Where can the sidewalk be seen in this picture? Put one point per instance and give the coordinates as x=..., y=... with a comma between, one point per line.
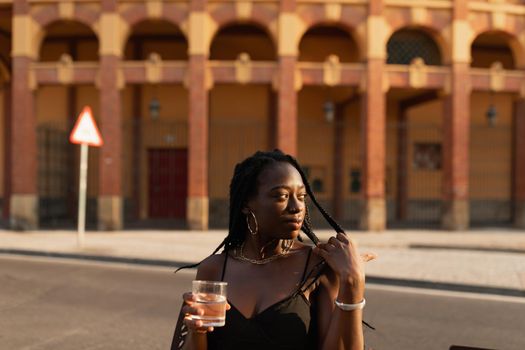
x=489, y=261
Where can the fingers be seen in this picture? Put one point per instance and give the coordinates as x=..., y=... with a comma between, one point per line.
x=190, y=310
x=188, y=297
x=196, y=326
x=342, y=237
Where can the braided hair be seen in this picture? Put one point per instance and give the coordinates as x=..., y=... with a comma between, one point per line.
x=244, y=185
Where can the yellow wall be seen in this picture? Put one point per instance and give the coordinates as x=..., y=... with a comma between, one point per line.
x=352, y=144
x=425, y=126
x=315, y=137
x=238, y=128
x=491, y=148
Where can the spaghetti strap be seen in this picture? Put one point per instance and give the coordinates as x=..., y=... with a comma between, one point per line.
x=224, y=265
x=306, y=265
x=305, y=276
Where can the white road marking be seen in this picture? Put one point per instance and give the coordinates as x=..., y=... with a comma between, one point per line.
x=445, y=293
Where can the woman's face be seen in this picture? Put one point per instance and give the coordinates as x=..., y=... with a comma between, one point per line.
x=279, y=204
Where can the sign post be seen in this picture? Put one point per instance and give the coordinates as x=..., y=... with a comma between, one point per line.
x=85, y=133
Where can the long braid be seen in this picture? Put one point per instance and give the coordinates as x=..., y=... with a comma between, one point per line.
x=327, y=216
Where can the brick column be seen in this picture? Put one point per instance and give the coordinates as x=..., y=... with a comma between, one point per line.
x=519, y=163
x=24, y=172
x=198, y=201
x=373, y=119
x=456, y=129
x=197, y=212
x=110, y=202
x=286, y=124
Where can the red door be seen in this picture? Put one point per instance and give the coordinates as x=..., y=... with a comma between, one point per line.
x=168, y=178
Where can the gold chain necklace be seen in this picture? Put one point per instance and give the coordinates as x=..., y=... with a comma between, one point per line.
x=239, y=255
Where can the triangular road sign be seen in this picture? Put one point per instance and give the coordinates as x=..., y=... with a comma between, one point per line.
x=85, y=130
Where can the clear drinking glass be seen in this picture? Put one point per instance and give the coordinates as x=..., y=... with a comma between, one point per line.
x=210, y=296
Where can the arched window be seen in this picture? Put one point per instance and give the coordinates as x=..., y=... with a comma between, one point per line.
x=407, y=44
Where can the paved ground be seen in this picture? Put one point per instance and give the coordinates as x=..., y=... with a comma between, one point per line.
x=492, y=261
x=84, y=305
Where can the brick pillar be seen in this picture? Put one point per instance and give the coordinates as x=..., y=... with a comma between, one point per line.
x=198, y=202
x=110, y=205
x=110, y=201
x=519, y=163
x=287, y=106
x=7, y=150
x=197, y=208
x=24, y=172
x=373, y=208
x=456, y=128
x=286, y=123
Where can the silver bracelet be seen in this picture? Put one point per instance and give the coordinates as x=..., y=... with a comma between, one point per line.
x=350, y=307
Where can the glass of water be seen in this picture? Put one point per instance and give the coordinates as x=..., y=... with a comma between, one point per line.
x=210, y=296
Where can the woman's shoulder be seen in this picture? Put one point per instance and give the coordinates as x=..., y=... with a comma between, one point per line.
x=211, y=267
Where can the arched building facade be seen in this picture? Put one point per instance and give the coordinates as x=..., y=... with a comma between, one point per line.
x=404, y=113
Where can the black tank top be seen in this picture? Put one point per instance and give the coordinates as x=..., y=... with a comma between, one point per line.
x=289, y=324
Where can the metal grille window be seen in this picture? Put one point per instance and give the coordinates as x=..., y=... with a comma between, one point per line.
x=405, y=45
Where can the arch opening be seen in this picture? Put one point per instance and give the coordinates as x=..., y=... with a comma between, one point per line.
x=491, y=47
x=322, y=41
x=235, y=39
x=409, y=43
x=156, y=36
x=69, y=37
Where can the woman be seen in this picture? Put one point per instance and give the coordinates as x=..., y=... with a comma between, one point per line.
x=282, y=293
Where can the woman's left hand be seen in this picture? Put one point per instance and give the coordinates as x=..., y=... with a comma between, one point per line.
x=340, y=253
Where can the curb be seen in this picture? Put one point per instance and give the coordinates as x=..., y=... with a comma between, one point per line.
x=401, y=282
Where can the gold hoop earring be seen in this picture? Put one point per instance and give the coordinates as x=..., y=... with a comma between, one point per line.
x=252, y=232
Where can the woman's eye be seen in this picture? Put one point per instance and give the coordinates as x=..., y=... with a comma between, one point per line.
x=302, y=196
x=282, y=195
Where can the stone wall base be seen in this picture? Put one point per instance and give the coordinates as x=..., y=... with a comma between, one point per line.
x=519, y=214
x=110, y=213
x=197, y=213
x=24, y=212
x=456, y=215
x=373, y=215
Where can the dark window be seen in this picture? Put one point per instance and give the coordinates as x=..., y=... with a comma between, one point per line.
x=427, y=156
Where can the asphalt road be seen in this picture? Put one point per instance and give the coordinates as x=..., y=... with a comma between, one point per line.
x=59, y=304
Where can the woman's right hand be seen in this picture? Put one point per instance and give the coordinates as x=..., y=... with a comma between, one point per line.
x=189, y=309
x=194, y=326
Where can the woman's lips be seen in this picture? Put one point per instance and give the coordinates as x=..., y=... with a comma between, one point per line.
x=294, y=223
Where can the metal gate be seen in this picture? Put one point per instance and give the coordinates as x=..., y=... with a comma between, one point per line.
x=414, y=174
